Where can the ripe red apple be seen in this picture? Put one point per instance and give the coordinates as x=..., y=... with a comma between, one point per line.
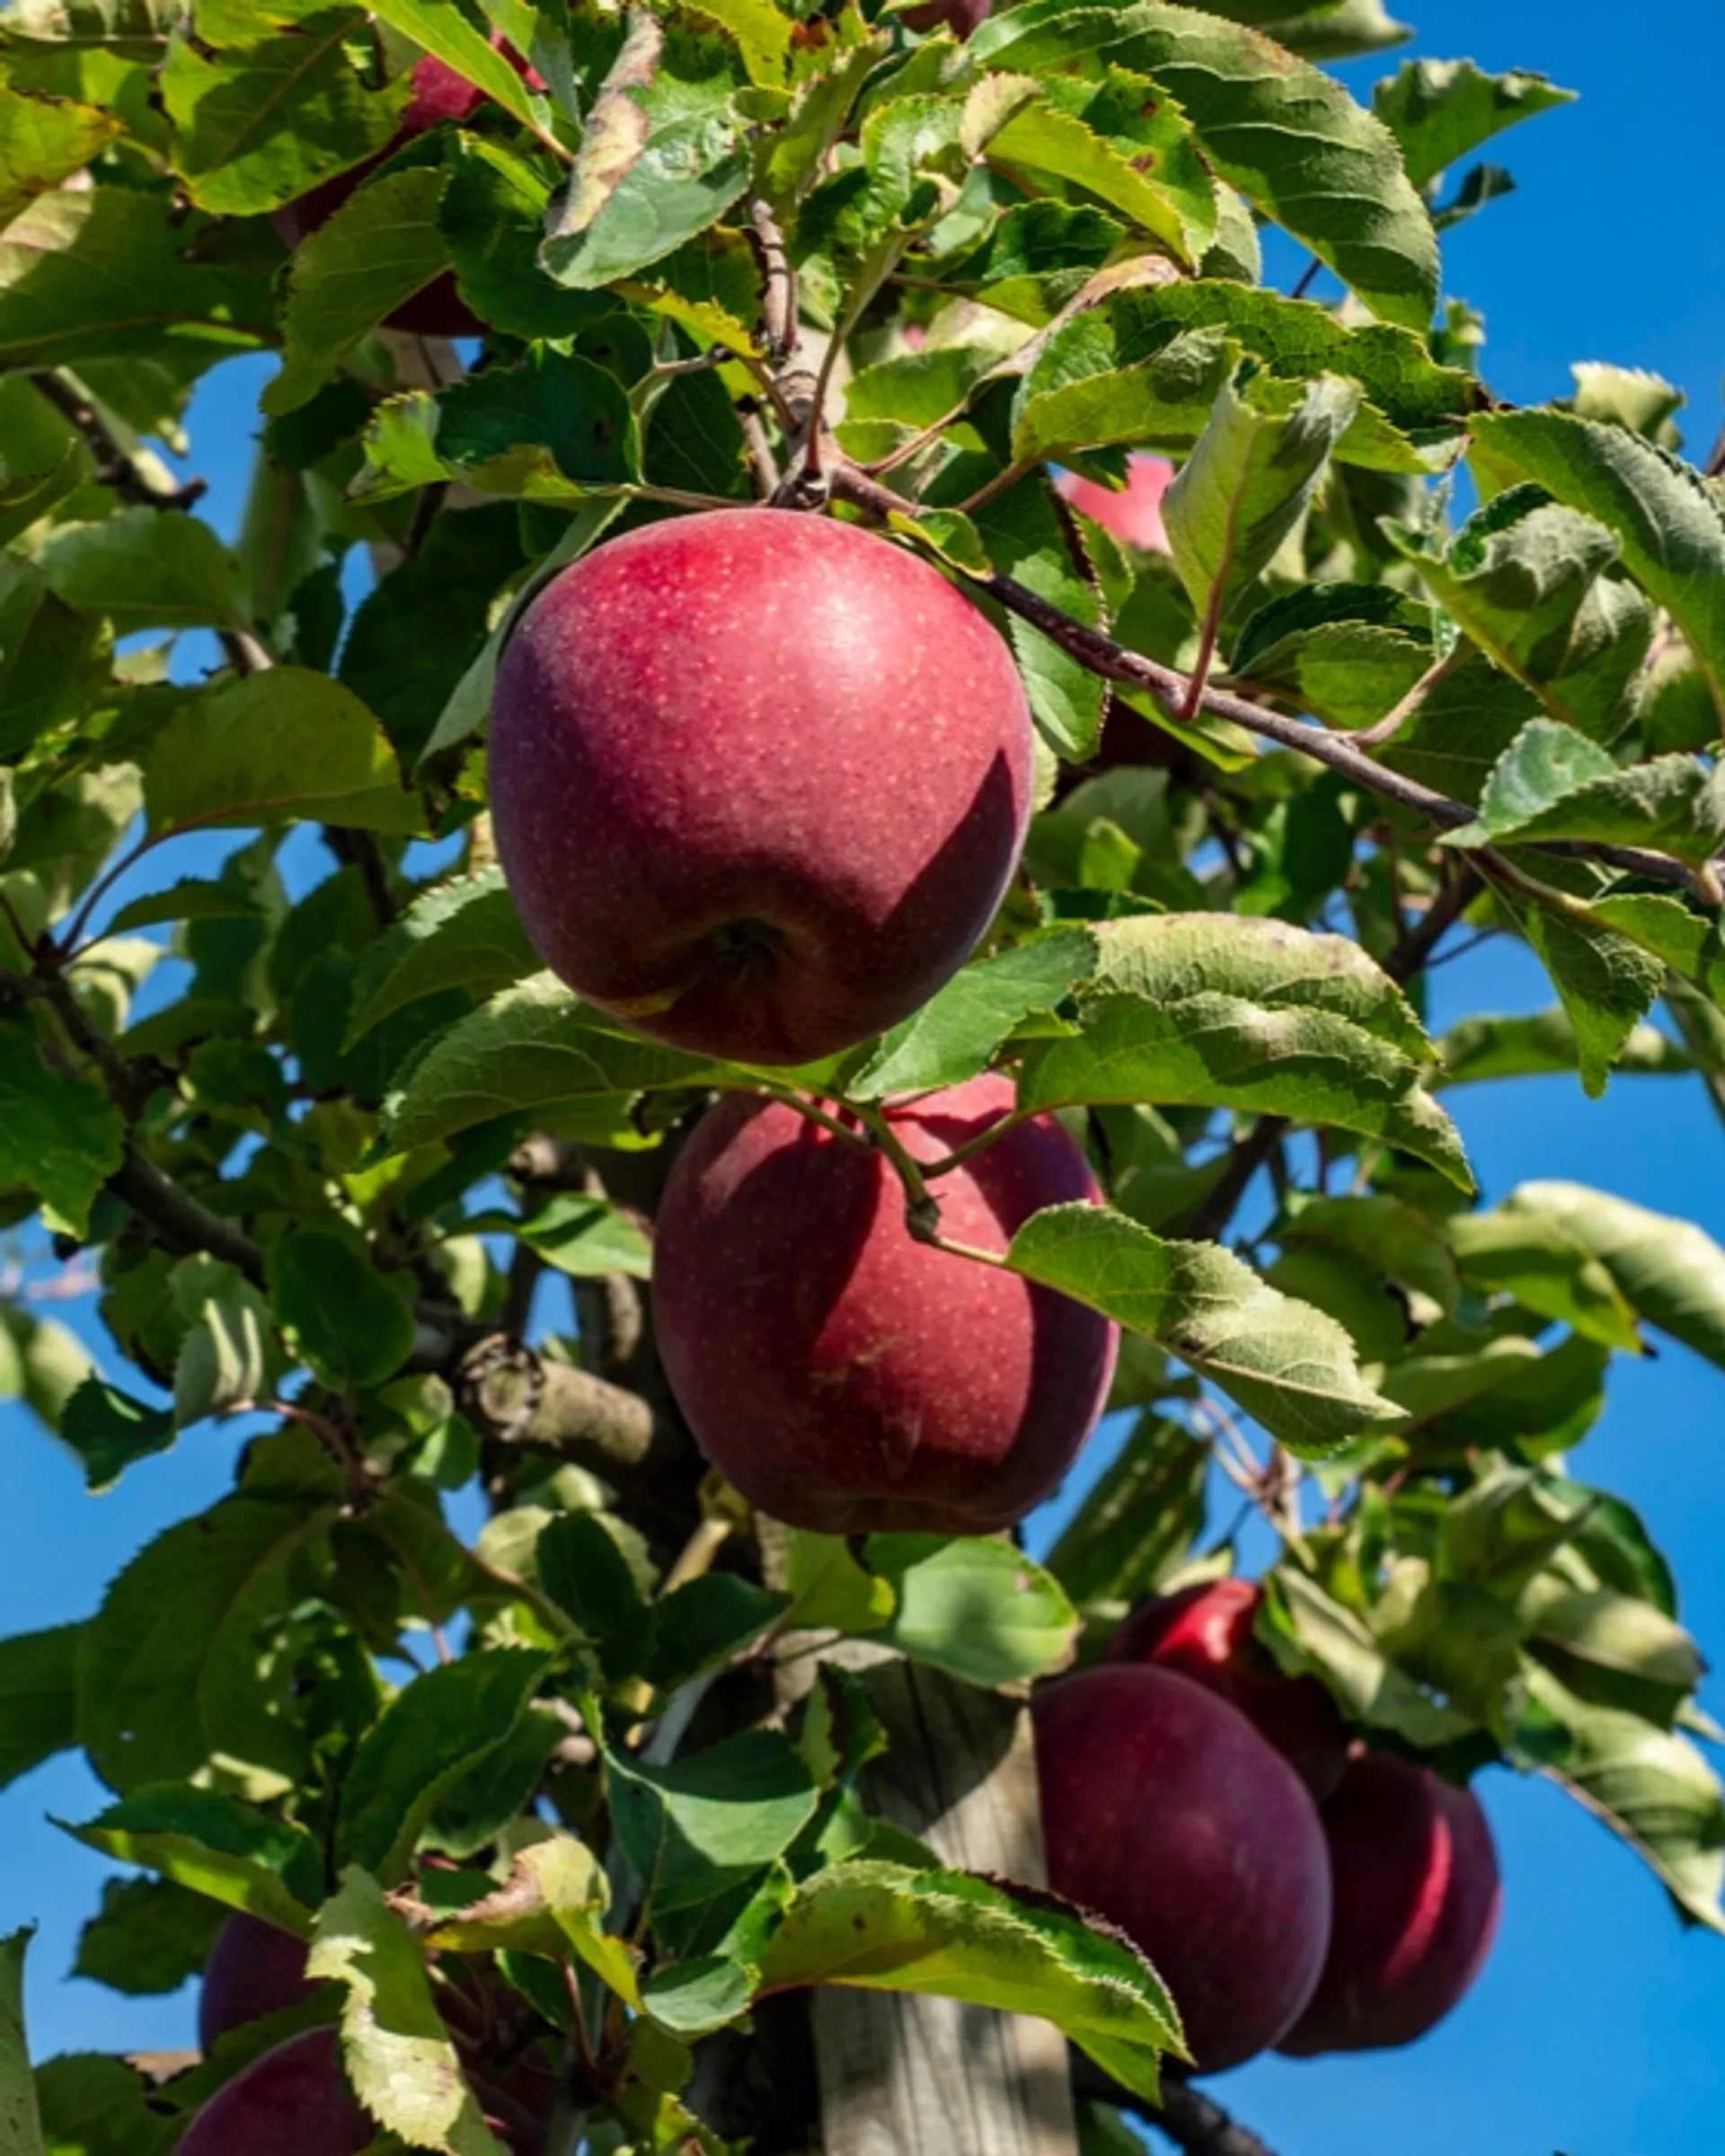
x=1131, y=513
x=253, y=1970
x=1417, y=1900
x=439, y=94
x=759, y=781
x=1206, y=1633
x=293, y=2102
x=845, y=1376
x=961, y=17
x=1164, y=1811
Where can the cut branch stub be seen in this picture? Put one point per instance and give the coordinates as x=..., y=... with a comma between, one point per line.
x=519, y=1397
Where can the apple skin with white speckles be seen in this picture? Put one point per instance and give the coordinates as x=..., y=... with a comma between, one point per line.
x=759, y=779
x=1166, y=1812
x=846, y=1377
x=1418, y=1895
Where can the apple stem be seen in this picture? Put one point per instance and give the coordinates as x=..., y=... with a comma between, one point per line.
x=922, y=1210
x=962, y=1155
x=812, y=1112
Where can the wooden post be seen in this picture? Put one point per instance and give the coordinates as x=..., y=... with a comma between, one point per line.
x=907, y=2076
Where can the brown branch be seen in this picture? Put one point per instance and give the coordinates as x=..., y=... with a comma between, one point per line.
x=1195, y=2122
x=1172, y=689
x=183, y=1223
x=523, y=1399
x=116, y=468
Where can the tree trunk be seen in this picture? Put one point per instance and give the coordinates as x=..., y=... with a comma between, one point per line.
x=907, y=2076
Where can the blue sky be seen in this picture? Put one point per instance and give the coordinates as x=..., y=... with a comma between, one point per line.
x=1598, y=2029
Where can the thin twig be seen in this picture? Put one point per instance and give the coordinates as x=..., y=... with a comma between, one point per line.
x=1387, y=728
x=116, y=468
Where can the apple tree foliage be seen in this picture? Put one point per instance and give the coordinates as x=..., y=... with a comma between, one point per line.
x=1351, y=722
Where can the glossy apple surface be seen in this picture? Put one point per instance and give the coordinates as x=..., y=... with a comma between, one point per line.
x=845, y=1376
x=253, y=1970
x=961, y=17
x=1206, y=1633
x=293, y=2102
x=759, y=781
x=1164, y=1811
x=1418, y=1895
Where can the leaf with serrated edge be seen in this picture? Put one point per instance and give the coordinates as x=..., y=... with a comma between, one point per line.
x=884, y=1928
x=1289, y=1365
x=1670, y=1270
x=1670, y=525
x=953, y=1036
x=1439, y=110
x=270, y=1868
x=20, y=2124
x=396, y=2048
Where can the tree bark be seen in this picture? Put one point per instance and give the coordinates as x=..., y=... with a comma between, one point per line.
x=908, y=2076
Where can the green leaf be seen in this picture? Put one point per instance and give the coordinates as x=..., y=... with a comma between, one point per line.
x=1534, y=1258
x=955, y=1035
x=21, y=2122
x=1026, y=538
x=431, y=1734
x=1250, y=480
x=974, y=1606
x=344, y=1318
x=1120, y=143
x=111, y=274
x=150, y=1936
x=285, y=746
x=211, y=1845
x=828, y=1590
x=446, y=30
x=1322, y=30
x=1348, y=653
x=261, y=120
x=107, y=1429
x=1205, y=1048
x=1291, y=140
x=709, y=1822
x=1608, y=985
x=38, y=1698
x=93, y=2104
x=1670, y=1270
x=173, y=1670
x=1137, y=1523
x=59, y=1137
x=1439, y=110
x=660, y=159
x=43, y=141
x=228, y=1356
x=586, y=1237
x=1528, y=581
x=1287, y=1364
x=706, y=1620
x=882, y=1928
x=1553, y=783
x=146, y=569
x=379, y=248
x=464, y=933
x=1479, y=1048
x=1309, y=1632
x=1614, y=1650
x=527, y=1048
x=395, y=2047
x=582, y=1567
x=1652, y=1788
x=1670, y=525
x=492, y=216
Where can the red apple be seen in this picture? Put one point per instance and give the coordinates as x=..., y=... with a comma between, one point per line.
x=1131, y=513
x=961, y=17
x=253, y=1970
x=1417, y=1900
x=845, y=1376
x=439, y=94
x=1206, y=1633
x=759, y=781
x=293, y=2102
x=1166, y=1812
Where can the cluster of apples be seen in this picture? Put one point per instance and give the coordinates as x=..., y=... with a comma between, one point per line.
x=1292, y=1889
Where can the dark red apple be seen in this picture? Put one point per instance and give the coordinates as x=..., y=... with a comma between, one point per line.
x=439, y=94
x=1164, y=1811
x=961, y=17
x=845, y=1376
x=1206, y=1633
x=253, y=1970
x=293, y=2102
x=1131, y=513
x=1417, y=1900
x=759, y=781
